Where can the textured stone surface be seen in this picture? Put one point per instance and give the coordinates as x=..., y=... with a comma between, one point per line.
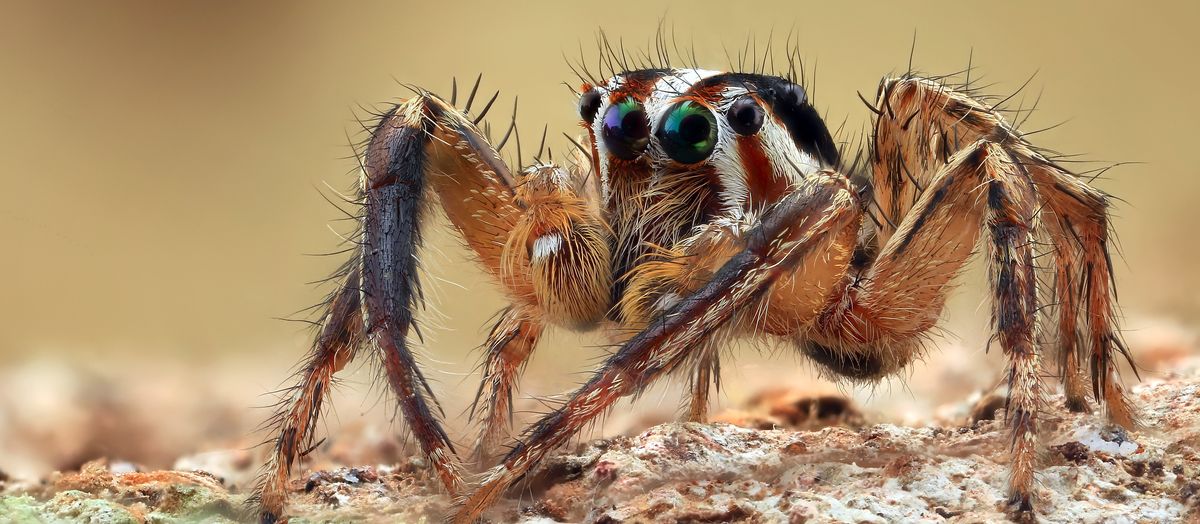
x=799, y=459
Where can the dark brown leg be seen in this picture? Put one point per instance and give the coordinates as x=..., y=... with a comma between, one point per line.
x=340, y=338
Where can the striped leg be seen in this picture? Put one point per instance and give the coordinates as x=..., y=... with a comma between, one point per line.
x=423, y=145
x=878, y=324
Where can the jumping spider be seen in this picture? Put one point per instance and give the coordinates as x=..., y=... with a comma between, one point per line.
x=704, y=205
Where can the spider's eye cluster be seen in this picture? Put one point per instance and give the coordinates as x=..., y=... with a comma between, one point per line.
x=688, y=133
x=625, y=129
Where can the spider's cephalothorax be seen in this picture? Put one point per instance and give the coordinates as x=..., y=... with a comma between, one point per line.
x=706, y=205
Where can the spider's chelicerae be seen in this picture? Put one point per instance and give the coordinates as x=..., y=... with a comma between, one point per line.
x=704, y=205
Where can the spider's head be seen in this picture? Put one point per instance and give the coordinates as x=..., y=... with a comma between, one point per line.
x=748, y=136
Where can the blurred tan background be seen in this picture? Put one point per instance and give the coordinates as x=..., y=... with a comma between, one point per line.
x=161, y=164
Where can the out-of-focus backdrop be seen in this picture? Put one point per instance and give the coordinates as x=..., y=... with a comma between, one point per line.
x=161, y=165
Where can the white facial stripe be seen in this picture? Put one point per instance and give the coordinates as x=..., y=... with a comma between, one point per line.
x=598, y=133
x=777, y=143
x=678, y=83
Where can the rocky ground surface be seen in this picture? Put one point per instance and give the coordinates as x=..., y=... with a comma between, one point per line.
x=783, y=457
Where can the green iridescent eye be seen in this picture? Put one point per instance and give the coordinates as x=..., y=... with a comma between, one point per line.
x=688, y=133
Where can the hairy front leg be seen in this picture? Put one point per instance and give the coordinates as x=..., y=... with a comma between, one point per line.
x=423, y=145
x=787, y=234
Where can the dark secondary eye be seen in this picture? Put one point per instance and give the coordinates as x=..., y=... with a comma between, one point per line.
x=688, y=133
x=745, y=116
x=589, y=103
x=626, y=130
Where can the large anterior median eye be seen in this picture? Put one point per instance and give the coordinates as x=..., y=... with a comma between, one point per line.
x=688, y=133
x=626, y=130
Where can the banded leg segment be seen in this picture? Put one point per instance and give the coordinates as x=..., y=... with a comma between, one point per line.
x=922, y=123
x=787, y=234
x=1080, y=235
x=340, y=338
x=881, y=318
x=1011, y=223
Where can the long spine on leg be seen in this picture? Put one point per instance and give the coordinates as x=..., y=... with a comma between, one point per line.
x=339, y=339
x=395, y=189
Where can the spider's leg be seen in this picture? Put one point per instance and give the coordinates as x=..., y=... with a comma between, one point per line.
x=787, y=233
x=876, y=326
x=1078, y=227
x=927, y=122
x=1067, y=290
x=421, y=143
x=706, y=373
x=558, y=245
x=658, y=283
x=540, y=241
x=340, y=337
x=508, y=347
x=945, y=165
x=1011, y=221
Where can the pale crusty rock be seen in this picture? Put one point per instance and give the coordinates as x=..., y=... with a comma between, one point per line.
x=885, y=473
x=852, y=472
